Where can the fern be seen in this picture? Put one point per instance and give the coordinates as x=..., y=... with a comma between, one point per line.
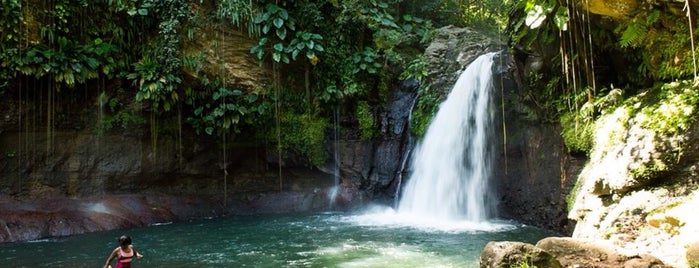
x=633, y=35
x=638, y=29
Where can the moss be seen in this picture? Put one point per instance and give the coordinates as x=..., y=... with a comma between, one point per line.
x=365, y=118
x=426, y=107
x=578, y=133
x=304, y=134
x=570, y=199
x=649, y=170
x=581, y=125
x=674, y=111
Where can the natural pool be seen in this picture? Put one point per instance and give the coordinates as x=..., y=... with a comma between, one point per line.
x=375, y=239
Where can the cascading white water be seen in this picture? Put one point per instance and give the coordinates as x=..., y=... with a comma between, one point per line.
x=451, y=165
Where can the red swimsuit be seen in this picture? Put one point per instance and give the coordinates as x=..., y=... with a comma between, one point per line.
x=125, y=259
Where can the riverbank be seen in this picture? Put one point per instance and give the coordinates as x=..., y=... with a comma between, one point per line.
x=25, y=219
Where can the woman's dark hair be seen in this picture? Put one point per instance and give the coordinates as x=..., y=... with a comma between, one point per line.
x=124, y=240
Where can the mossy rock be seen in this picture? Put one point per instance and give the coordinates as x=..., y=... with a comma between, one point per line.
x=516, y=254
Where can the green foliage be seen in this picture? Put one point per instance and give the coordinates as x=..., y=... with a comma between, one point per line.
x=381, y=37
x=637, y=28
x=119, y=115
x=649, y=170
x=658, y=42
x=303, y=134
x=227, y=111
x=675, y=110
x=366, y=120
x=240, y=13
x=337, y=77
x=541, y=21
x=351, y=52
x=579, y=125
x=67, y=63
x=274, y=18
x=12, y=18
x=669, y=111
x=425, y=108
x=159, y=71
x=480, y=14
x=416, y=69
x=578, y=130
x=366, y=61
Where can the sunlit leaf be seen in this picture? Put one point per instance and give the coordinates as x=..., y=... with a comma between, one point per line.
x=535, y=17
x=561, y=18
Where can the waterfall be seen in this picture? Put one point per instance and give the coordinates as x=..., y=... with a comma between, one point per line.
x=452, y=164
x=332, y=193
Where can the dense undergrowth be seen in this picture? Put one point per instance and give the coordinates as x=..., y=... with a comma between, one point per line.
x=329, y=57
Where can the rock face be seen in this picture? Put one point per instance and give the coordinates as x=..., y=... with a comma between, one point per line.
x=533, y=172
x=374, y=167
x=639, y=188
x=379, y=168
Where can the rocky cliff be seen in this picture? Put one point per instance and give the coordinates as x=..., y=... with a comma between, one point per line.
x=639, y=188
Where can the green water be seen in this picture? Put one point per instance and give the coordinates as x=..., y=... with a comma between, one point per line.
x=317, y=240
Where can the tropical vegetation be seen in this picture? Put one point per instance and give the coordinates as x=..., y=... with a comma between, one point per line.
x=326, y=57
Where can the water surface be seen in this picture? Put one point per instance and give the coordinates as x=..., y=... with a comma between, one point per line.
x=300, y=240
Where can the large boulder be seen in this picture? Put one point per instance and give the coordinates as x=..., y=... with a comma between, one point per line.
x=638, y=190
x=554, y=252
x=515, y=254
x=589, y=253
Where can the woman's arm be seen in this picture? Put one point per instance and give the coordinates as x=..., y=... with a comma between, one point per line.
x=111, y=256
x=135, y=253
